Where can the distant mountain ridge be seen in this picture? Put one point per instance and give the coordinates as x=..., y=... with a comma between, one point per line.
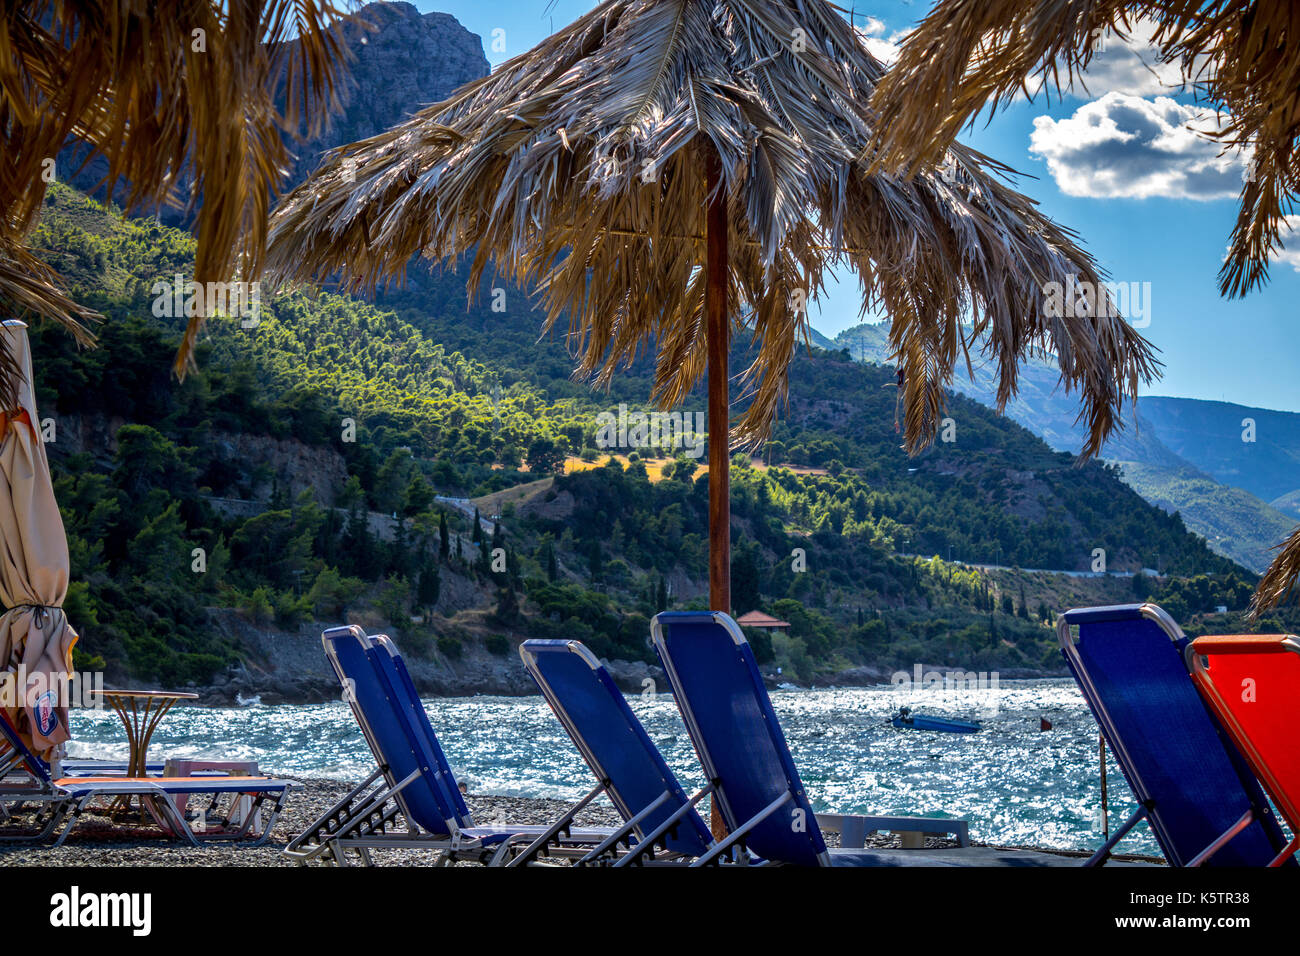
x=1187, y=455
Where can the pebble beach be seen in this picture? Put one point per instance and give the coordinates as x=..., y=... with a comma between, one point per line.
x=100, y=842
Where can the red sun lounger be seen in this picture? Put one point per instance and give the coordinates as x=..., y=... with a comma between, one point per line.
x=1252, y=683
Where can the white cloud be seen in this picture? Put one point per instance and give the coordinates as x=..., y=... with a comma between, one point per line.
x=1129, y=66
x=883, y=48
x=1290, y=234
x=1123, y=146
x=873, y=27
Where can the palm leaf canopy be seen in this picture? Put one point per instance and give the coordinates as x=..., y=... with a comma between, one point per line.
x=1241, y=55
x=577, y=169
x=1279, y=580
x=156, y=87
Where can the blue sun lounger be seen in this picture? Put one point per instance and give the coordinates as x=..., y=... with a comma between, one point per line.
x=412, y=801
x=751, y=774
x=1192, y=786
x=12, y=761
x=627, y=765
x=65, y=800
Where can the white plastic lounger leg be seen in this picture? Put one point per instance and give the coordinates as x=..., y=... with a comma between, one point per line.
x=1098, y=858
x=164, y=805
x=1246, y=820
x=71, y=814
x=740, y=831
x=300, y=847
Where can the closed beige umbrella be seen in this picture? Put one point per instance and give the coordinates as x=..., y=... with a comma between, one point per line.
x=36, y=639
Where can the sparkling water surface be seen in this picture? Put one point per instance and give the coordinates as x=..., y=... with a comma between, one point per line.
x=1016, y=784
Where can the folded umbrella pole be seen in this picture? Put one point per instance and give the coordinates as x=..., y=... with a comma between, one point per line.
x=36, y=639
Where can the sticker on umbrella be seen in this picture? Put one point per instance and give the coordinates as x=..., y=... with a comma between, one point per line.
x=47, y=718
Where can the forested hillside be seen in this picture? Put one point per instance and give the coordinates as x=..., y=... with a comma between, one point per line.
x=311, y=460
x=1228, y=470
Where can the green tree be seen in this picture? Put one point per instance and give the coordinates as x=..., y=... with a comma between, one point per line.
x=745, y=578
x=429, y=587
x=394, y=596
x=545, y=455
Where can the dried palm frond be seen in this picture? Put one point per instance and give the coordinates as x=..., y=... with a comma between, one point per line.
x=29, y=285
x=154, y=87
x=577, y=169
x=1241, y=55
x=1279, y=580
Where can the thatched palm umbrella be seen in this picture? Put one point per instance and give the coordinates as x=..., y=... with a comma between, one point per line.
x=1241, y=55
x=155, y=87
x=658, y=161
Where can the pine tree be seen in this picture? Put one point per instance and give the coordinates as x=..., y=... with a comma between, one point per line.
x=444, y=538
x=429, y=587
x=507, y=609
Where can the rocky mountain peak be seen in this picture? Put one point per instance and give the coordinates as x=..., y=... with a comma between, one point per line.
x=407, y=61
x=404, y=62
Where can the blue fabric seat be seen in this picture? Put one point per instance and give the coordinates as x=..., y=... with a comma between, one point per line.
x=614, y=744
x=412, y=800
x=729, y=716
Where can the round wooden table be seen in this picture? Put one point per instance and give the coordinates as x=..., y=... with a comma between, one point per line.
x=140, y=712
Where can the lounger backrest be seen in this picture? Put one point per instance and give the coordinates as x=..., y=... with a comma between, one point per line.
x=1129, y=661
x=375, y=705
x=29, y=761
x=390, y=663
x=1252, y=682
x=731, y=722
x=611, y=739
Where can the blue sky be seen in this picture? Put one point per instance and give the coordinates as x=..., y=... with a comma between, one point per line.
x=1151, y=201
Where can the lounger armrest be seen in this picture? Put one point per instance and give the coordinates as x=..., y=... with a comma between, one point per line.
x=854, y=828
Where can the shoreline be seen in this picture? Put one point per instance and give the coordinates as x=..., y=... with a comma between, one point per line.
x=629, y=677
x=98, y=842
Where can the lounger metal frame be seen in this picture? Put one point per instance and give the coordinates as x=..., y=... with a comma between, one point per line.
x=1146, y=801
x=364, y=819
x=732, y=848
x=63, y=803
x=619, y=848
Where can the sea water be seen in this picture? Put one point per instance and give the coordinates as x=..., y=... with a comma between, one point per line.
x=1015, y=783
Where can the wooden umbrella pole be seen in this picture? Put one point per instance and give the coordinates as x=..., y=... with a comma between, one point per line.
x=719, y=340
x=717, y=330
